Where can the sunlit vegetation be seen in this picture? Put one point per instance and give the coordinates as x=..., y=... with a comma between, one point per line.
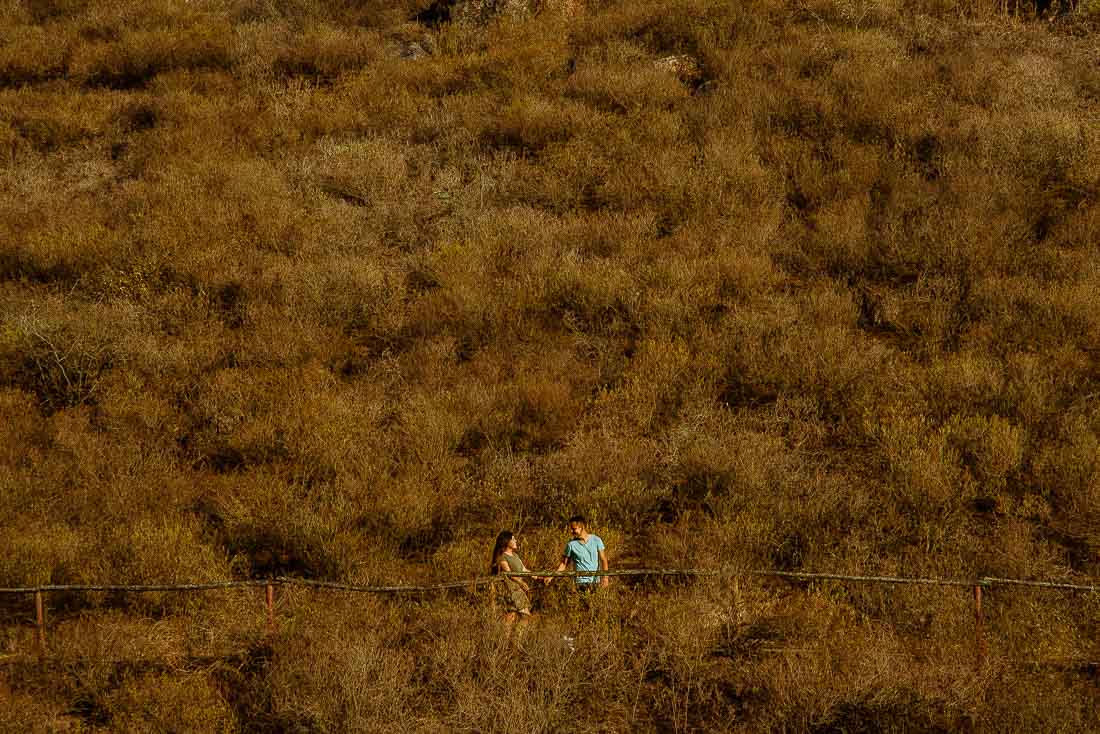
x=339, y=289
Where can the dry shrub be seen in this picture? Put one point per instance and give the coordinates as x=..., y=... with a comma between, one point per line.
x=36, y=554
x=531, y=124
x=734, y=182
x=654, y=389
x=296, y=13
x=51, y=353
x=24, y=435
x=270, y=526
x=355, y=673
x=965, y=378
x=1067, y=479
x=234, y=423
x=29, y=713
x=32, y=54
x=598, y=297
x=1021, y=705
x=532, y=415
x=661, y=183
x=863, y=680
x=684, y=634
x=139, y=55
x=131, y=675
x=776, y=351
x=57, y=253
x=1034, y=384
x=342, y=670
x=365, y=171
x=624, y=81
x=326, y=53
x=991, y=448
x=169, y=550
x=153, y=703
x=924, y=471
x=44, y=121
x=382, y=184
x=858, y=14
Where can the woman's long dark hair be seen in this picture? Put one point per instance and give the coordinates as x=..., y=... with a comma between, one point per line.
x=503, y=540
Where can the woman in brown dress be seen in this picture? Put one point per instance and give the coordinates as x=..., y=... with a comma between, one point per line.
x=517, y=597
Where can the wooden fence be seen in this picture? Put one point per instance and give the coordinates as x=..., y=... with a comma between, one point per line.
x=978, y=585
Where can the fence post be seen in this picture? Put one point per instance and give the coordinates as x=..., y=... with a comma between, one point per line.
x=979, y=626
x=269, y=593
x=40, y=621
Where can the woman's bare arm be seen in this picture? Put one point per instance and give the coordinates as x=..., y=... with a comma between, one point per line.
x=502, y=565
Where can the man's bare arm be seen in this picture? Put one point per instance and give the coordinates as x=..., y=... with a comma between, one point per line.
x=604, y=580
x=561, y=567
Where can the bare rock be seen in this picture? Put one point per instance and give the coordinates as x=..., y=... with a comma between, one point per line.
x=686, y=68
x=483, y=11
x=410, y=46
x=412, y=50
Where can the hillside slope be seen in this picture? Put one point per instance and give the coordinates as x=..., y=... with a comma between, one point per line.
x=340, y=289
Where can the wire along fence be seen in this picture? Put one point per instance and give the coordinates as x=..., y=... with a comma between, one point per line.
x=978, y=585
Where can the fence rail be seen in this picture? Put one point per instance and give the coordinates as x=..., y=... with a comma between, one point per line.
x=982, y=581
x=977, y=584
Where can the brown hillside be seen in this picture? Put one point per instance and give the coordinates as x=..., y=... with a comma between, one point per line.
x=337, y=289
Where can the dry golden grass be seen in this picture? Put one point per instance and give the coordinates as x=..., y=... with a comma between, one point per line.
x=309, y=287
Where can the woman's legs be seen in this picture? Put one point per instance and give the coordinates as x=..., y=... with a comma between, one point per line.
x=523, y=619
x=509, y=621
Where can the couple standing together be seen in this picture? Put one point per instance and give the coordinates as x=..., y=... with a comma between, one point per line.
x=584, y=552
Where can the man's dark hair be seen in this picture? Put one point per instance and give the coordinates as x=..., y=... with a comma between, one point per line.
x=579, y=519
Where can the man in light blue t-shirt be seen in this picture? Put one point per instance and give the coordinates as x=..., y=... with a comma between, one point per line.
x=585, y=552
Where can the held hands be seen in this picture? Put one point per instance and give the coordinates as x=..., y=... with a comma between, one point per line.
x=604, y=580
x=561, y=567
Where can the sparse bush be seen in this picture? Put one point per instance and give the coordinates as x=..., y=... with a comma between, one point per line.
x=325, y=53
x=153, y=703
x=32, y=54
x=138, y=56
x=57, y=362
